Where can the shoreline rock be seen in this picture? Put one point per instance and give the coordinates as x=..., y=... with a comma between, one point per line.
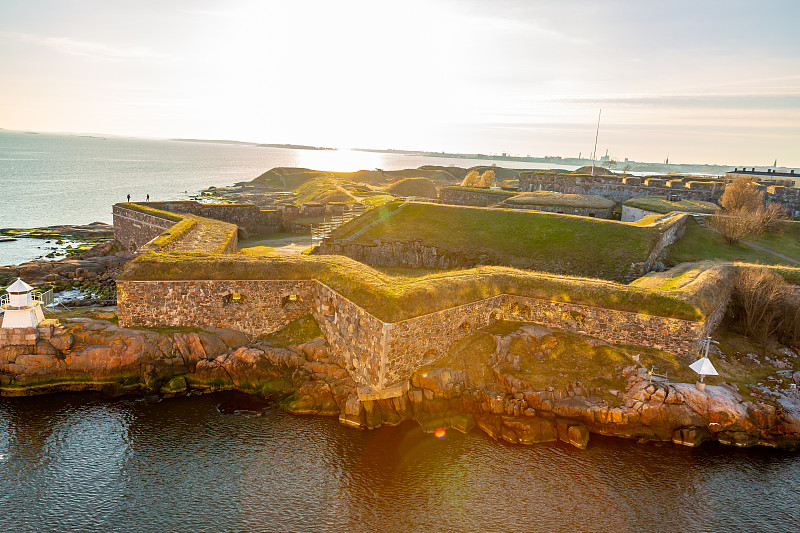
x=94, y=355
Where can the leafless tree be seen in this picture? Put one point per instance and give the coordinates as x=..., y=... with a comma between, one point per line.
x=471, y=179
x=744, y=213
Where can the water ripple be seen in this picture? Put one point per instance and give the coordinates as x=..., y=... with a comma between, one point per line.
x=83, y=463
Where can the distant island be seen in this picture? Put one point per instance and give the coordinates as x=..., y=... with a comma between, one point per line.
x=261, y=145
x=605, y=161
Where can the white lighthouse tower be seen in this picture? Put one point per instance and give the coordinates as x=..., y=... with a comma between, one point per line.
x=22, y=310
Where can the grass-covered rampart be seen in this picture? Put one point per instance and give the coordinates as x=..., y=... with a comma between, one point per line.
x=549, y=242
x=660, y=204
x=554, y=199
x=191, y=233
x=394, y=298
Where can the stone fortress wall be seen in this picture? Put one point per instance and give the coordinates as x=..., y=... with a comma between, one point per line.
x=621, y=189
x=378, y=355
x=133, y=229
x=456, y=195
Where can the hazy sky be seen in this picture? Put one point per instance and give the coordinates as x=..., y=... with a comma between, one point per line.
x=700, y=81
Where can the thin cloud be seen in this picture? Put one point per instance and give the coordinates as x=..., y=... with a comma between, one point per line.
x=775, y=100
x=88, y=49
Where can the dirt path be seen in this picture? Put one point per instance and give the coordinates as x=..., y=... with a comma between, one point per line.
x=773, y=252
x=751, y=244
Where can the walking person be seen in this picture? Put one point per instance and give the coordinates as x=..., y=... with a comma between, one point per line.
x=148, y=198
x=129, y=198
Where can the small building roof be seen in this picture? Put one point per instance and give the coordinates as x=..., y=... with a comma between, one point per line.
x=19, y=287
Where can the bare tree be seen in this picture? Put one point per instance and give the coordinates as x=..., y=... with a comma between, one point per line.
x=742, y=193
x=471, y=179
x=744, y=212
x=487, y=179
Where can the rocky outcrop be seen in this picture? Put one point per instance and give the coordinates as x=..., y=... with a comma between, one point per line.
x=86, y=354
x=95, y=270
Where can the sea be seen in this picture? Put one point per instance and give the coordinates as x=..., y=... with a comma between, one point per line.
x=52, y=179
x=227, y=462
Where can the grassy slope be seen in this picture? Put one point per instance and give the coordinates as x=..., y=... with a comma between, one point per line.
x=322, y=191
x=414, y=187
x=701, y=244
x=660, y=204
x=784, y=239
x=579, y=246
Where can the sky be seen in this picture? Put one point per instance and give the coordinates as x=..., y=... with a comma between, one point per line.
x=696, y=81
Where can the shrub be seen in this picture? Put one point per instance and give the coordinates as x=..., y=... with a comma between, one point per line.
x=765, y=306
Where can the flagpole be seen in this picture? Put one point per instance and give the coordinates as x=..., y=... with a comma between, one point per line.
x=596, y=134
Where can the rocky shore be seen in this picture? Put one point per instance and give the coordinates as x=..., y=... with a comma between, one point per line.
x=94, y=272
x=94, y=354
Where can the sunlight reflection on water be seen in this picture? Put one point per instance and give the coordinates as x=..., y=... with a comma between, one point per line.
x=82, y=463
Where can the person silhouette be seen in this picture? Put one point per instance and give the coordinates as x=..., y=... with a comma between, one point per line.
x=129, y=197
x=148, y=198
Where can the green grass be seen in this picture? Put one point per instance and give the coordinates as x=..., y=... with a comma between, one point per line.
x=660, y=204
x=784, y=239
x=701, y=244
x=564, y=244
x=296, y=332
x=367, y=218
x=394, y=298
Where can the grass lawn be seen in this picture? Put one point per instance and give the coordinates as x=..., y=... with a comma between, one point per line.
x=785, y=239
x=565, y=244
x=701, y=244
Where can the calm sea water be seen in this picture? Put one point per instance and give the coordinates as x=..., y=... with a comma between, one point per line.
x=50, y=179
x=82, y=463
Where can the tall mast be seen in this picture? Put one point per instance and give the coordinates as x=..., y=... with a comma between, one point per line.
x=596, y=134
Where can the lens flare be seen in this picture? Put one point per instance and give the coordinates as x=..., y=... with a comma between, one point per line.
x=440, y=433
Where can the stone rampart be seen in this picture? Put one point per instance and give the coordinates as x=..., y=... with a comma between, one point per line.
x=134, y=229
x=613, y=188
x=473, y=197
x=596, y=212
x=409, y=254
x=353, y=333
x=255, y=307
x=673, y=230
x=378, y=355
x=248, y=216
x=381, y=355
